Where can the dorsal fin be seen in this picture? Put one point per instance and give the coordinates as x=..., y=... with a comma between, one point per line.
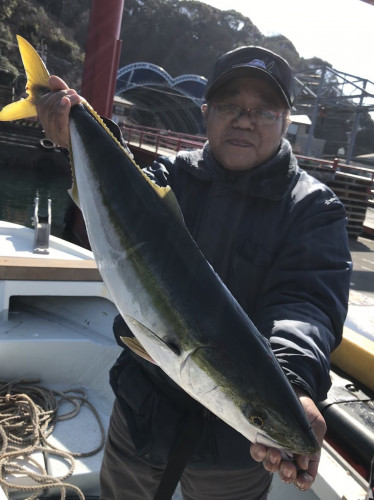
x=165, y=193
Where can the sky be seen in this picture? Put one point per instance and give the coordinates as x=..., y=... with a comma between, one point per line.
x=340, y=32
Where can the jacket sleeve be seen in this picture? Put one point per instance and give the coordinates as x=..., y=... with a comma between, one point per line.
x=304, y=300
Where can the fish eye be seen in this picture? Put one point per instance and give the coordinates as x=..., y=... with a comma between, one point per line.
x=257, y=421
x=256, y=418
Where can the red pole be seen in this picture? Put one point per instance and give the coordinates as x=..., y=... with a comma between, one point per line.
x=103, y=49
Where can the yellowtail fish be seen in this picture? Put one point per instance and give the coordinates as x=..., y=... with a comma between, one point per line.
x=182, y=315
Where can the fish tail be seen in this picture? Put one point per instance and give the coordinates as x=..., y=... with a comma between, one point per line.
x=37, y=84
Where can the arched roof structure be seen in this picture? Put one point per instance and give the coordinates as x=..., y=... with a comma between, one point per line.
x=174, y=102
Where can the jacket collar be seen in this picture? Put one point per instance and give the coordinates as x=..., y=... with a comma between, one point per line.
x=272, y=180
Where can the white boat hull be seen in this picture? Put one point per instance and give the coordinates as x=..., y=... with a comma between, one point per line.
x=60, y=332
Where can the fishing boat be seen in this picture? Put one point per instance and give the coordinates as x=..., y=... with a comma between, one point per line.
x=56, y=341
x=56, y=335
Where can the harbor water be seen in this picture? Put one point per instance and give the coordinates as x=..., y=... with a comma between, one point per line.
x=19, y=187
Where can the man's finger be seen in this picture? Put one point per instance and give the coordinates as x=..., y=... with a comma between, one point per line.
x=304, y=481
x=287, y=472
x=258, y=452
x=56, y=83
x=308, y=468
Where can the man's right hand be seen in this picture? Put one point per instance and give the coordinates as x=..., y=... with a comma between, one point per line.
x=54, y=108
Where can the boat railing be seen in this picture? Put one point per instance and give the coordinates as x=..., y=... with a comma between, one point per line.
x=160, y=141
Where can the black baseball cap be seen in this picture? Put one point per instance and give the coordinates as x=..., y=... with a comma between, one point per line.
x=252, y=61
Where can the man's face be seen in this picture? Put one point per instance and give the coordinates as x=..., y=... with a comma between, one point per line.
x=240, y=143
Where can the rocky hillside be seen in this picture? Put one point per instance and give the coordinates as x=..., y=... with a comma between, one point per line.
x=169, y=33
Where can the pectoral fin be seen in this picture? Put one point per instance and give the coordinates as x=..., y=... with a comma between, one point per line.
x=141, y=331
x=137, y=348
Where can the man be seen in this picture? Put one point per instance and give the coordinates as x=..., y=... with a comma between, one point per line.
x=277, y=237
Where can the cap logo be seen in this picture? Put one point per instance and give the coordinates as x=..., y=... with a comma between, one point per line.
x=258, y=63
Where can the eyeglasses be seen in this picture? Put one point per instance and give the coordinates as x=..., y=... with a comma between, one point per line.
x=259, y=116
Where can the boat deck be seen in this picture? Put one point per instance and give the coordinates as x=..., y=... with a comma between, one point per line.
x=68, y=342
x=56, y=321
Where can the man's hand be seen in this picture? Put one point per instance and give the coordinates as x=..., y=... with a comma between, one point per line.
x=54, y=108
x=304, y=472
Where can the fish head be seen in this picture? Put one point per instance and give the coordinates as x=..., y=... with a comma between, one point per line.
x=286, y=429
x=240, y=396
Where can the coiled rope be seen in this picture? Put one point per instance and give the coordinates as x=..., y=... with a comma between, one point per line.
x=28, y=416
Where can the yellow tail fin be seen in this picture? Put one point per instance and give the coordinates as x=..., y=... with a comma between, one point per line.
x=37, y=84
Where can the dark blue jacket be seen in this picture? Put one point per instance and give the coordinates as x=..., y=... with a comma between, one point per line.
x=278, y=239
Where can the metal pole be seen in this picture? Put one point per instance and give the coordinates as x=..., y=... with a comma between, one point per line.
x=356, y=123
x=315, y=113
x=103, y=49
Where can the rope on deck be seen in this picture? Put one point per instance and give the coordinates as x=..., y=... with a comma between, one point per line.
x=28, y=416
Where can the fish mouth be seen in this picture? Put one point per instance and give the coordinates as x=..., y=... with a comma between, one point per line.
x=266, y=440
x=287, y=451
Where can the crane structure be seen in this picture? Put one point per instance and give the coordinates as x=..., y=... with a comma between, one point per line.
x=327, y=95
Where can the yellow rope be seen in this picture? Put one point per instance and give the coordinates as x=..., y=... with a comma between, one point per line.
x=28, y=415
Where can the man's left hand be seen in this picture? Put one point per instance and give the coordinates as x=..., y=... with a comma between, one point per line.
x=303, y=470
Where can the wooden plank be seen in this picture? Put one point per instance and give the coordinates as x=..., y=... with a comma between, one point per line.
x=46, y=269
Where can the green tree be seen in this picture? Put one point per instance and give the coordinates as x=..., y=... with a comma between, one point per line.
x=7, y=8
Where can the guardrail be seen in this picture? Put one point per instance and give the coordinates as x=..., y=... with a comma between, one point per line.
x=352, y=184
x=160, y=141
